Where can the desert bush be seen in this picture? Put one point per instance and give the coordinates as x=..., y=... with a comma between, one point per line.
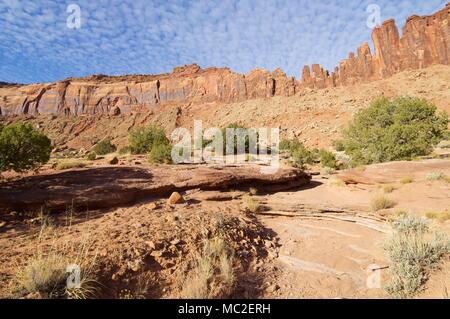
x=412, y=251
x=69, y=164
x=444, y=144
x=125, y=150
x=23, y=148
x=327, y=159
x=406, y=180
x=381, y=202
x=104, y=147
x=251, y=204
x=142, y=139
x=91, y=156
x=338, y=145
x=400, y=129
x=286, y=144
x=389, y=188
x=435, y=176
x=300, y=155
x=160, y=154
x=213, y=275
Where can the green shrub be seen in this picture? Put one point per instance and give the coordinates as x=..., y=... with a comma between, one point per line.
x=104, y=147
x=23, y=148
x=394, y=130
x=300, y=155
x=285, y=144
x=327, y=159
x=91, y=156
x=161, y=154
x=339, y=145
x=142, y=139
x=125, y=150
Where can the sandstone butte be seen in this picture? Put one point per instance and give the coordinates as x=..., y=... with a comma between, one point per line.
x=425, y=41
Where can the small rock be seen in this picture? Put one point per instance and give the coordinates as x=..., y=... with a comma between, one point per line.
x=150, y=244
x=2, y=224
x=114, y=161
x=268, y=244
x=175, y=198
x=272, y=288
x=156, y=253
x=175, y=242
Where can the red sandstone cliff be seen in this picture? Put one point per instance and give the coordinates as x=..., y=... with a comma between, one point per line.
x=425, y=41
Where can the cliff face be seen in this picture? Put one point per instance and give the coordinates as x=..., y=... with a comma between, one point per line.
x=116, y=95
x=425, y=41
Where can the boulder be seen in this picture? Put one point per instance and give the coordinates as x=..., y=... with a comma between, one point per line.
x=113, y=161
x=175, y=198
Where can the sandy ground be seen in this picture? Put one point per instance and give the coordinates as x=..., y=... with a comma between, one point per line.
x=331, y=255
x=314, y=241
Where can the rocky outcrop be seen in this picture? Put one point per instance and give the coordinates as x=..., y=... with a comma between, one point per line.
x=424, y=41
x=105, y=187
x=128, y=94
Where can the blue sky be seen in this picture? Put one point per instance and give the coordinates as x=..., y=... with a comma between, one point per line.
x=144, y=36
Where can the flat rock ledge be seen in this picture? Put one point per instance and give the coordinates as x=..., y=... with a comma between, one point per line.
x=108, y=187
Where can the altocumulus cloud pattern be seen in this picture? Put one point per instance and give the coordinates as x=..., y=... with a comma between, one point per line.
x=142, y=36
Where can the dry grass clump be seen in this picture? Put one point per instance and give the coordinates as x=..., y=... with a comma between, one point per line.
x=213, y=275
x=140, y=290
x=336, y=182
x=49, y=272
x=251, y=204
x=381, y=202
x=440, y=216
x=69, y=164
x=412, y=251
x=406, y=180
x=389, y=188
x=253, y=190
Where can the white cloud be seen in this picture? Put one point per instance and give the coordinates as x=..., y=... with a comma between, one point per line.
x=119, y=37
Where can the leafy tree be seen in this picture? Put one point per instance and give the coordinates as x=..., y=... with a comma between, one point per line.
x=394, y=130
x=104, y=147
x=142, y=139
x=23, y=148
